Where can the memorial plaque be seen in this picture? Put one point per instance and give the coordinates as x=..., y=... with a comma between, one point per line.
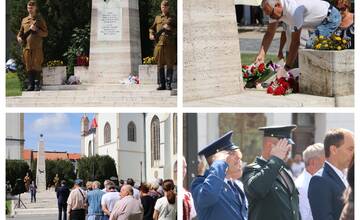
x=109, y=22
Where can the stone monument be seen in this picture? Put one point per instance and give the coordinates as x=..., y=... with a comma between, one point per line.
x=115, y=45
x=40, y=168
x=212, y=63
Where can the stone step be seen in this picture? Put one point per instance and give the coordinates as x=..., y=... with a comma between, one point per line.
x=37, y=211
x=102, y=87
x=255, y=98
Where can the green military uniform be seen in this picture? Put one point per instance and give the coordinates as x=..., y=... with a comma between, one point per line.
x=33, y=56
x=165, y=48
x=270, y=190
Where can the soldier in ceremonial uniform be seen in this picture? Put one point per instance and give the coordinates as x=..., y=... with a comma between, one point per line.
x=163, y=32
x=32, y=31
x=268, y=186
x=217, y=193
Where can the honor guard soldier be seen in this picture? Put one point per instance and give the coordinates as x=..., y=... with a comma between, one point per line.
x=268, y=186
x=217, y=193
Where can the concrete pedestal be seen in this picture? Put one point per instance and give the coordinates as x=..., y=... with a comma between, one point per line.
x=54, y=75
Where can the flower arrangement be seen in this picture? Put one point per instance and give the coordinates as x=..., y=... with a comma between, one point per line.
x=254, y=75
x=149, y=60
x=334, y=42
x=285, y=84
x=82, y=60
x=54, y=63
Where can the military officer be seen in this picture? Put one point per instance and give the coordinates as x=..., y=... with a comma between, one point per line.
x=163, y=32
x=268, y=186
x=32, y=31
x=217, y=193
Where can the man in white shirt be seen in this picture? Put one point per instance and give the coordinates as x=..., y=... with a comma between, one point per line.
x=109, y=199
x=314, y=157
x=298, y=166
x=296, y=14
x=326, y=188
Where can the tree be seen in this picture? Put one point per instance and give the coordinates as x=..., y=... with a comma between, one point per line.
x=96, y=168
x=16, y=169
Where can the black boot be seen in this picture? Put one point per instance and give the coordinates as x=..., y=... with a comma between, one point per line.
x=37, y=81
x=169, y=78
x=161, y=79
x=31, y=77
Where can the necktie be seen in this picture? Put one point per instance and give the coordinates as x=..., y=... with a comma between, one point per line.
x=238, y=192
x=287, y=180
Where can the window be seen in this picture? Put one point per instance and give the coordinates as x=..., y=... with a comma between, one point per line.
x=131, y=132
x=107, y=133
x=155, y=141
x=175, y=134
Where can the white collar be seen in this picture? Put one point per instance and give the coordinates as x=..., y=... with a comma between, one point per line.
x=340, y=173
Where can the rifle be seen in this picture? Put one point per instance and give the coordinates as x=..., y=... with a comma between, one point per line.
x=25, y=35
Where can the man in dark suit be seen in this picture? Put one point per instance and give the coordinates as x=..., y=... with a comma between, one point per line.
x=327, y=186
x=268, y=186
x=217, y=193
x=62, y=194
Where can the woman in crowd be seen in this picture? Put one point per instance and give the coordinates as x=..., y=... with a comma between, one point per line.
x=346, y=29
x=165, y=207
x=147, y=201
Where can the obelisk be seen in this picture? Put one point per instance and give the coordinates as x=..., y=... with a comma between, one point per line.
x=115, y=45
x=212, y=62
x=40, y=168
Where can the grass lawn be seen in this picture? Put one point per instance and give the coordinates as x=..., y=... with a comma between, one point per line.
x=248, y=58
x=13, y=87
x=8, y=206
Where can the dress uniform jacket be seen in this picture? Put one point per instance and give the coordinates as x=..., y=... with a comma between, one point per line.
x=271, y=191
x=325, y=194
x=214, y=198
x=33, y=56
x=165, y=48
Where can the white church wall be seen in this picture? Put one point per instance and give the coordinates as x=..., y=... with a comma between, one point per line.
x=102, y=119
x=138, y=119
x=129, y=166
x=89, y=150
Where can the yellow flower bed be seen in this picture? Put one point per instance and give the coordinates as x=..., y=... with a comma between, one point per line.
x=54, y=63
x=149, y=60
x=334, y=42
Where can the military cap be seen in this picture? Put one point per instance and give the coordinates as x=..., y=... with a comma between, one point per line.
x=223, y=143
x=78, y=182
x=279, y=132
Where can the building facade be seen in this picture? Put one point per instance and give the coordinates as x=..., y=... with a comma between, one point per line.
x=14, y=136
x=141, y=144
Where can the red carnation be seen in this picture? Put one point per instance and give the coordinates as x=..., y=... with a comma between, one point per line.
x=252, y=69
x=280, y=91
x=261, y=67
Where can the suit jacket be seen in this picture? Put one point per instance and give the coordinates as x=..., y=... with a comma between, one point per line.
x=127, y=208
x=62, y=194
x=325, y=192
x=270, y=195
x=214, y=199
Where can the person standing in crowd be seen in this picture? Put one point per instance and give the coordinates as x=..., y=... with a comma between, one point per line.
x=314, y=157
x=32, y=31
x=160, y=189
x=89, y=186
x=62, y=195
x=348, y=210
x=297, y=14
x=327, y=187
x=216, y=192
x=136, y=192
x=94, y=202
x=109, y=199
x=106, y=183
x=76, y=203
x=128, y=208
x=163, y=32
x=147, y=201
x=268, y=185
x=297, y=166
x=165, y=207
x=33, y=190
x=346, y=29
x=154, y=186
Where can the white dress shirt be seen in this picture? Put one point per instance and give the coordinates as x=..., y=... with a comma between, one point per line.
x=302, y=184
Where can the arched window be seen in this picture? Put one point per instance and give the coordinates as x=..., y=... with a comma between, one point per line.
x=175, y=134
x=155, y=141
x=131, y=132
x=90, y=149
x=107, y=133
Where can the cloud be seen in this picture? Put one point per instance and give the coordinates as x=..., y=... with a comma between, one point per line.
x=51, y=122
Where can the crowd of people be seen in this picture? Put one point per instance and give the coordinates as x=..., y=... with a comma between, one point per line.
x=318, y=185
x=150, y=201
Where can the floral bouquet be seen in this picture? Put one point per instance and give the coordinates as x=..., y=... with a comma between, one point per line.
x=254, y=75
x=285, y=84
x=82, y=61
x=149, y=60
x=334, y=42
x=54, y=63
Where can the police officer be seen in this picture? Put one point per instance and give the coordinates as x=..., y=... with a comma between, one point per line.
x=163, y=32
x=32, y=31
x=268, y=186
x=217, y=193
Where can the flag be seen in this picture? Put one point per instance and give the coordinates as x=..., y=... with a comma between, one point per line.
x=93, y=126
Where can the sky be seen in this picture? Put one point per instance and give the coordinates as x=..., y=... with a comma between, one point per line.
x=61, y=131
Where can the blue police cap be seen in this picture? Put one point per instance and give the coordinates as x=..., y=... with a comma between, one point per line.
x=223, y=143
x=279, y=132
x=78, y=182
